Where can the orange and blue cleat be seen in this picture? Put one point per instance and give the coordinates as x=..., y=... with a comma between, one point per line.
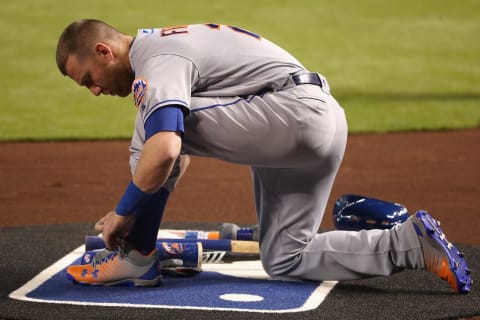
x=109, y=268
x=441, y=257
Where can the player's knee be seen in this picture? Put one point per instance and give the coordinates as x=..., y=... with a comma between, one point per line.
x=280, y=268
x=281, y=261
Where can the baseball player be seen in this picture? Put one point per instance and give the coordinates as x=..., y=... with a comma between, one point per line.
x=221, y=91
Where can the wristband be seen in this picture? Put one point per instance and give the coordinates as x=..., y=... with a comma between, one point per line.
x=131, y=200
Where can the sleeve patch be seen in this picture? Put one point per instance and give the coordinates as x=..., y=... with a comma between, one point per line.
x=139, y=91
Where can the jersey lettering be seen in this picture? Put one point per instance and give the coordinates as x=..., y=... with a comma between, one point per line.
x=173, y=30
x=217, y=26
x=213, y=26
x=237, y=29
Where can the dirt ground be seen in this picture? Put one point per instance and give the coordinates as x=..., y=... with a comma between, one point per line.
x=69, y=182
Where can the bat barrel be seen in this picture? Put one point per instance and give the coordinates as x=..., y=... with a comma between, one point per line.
x=175, y=254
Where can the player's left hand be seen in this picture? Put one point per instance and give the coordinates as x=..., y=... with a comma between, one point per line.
x=114, y=228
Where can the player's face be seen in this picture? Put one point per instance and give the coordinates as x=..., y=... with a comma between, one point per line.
x=100, y=76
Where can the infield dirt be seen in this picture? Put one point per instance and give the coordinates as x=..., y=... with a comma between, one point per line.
x=63, y=182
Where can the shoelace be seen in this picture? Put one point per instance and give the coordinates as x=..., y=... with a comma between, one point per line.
x=105, y=255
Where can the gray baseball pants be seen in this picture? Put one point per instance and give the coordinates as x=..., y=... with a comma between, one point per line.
x=294, y=141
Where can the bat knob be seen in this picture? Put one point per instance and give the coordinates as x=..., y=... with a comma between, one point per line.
x=248, y=234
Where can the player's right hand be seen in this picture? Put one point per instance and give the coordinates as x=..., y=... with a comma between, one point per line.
x=99, y=225
x=114, y=228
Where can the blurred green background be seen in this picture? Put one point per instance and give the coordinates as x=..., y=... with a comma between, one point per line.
x=393, y=65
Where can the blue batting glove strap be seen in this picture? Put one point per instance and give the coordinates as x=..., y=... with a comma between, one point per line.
x=132, y=199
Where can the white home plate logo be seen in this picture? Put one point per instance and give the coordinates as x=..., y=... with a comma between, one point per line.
x=241, y=297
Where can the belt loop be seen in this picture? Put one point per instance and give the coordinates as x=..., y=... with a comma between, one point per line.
x=311, y=78
x=307, y=78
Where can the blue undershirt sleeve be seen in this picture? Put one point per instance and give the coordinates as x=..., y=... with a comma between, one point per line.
x=169, y=118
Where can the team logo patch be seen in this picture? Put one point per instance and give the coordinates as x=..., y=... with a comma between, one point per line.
x=173, y=248
x=139, y=91
x=147, y=31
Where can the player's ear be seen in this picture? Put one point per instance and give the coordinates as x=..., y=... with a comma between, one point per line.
x=103, y=51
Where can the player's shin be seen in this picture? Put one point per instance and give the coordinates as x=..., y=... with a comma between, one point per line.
x=143, y=235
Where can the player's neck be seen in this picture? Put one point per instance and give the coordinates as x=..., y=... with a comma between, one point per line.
x=124, y=49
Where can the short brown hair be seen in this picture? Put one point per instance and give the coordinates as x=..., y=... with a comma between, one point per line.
x=78, y=39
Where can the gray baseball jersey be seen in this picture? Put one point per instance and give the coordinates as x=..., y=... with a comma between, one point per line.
x=176, y=65
x=243, y=105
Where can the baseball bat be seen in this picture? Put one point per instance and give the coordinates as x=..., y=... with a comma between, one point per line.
x=191, y=254
x=188, y=234
x=234, y=246
x=228, y=257
x=227, y=231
